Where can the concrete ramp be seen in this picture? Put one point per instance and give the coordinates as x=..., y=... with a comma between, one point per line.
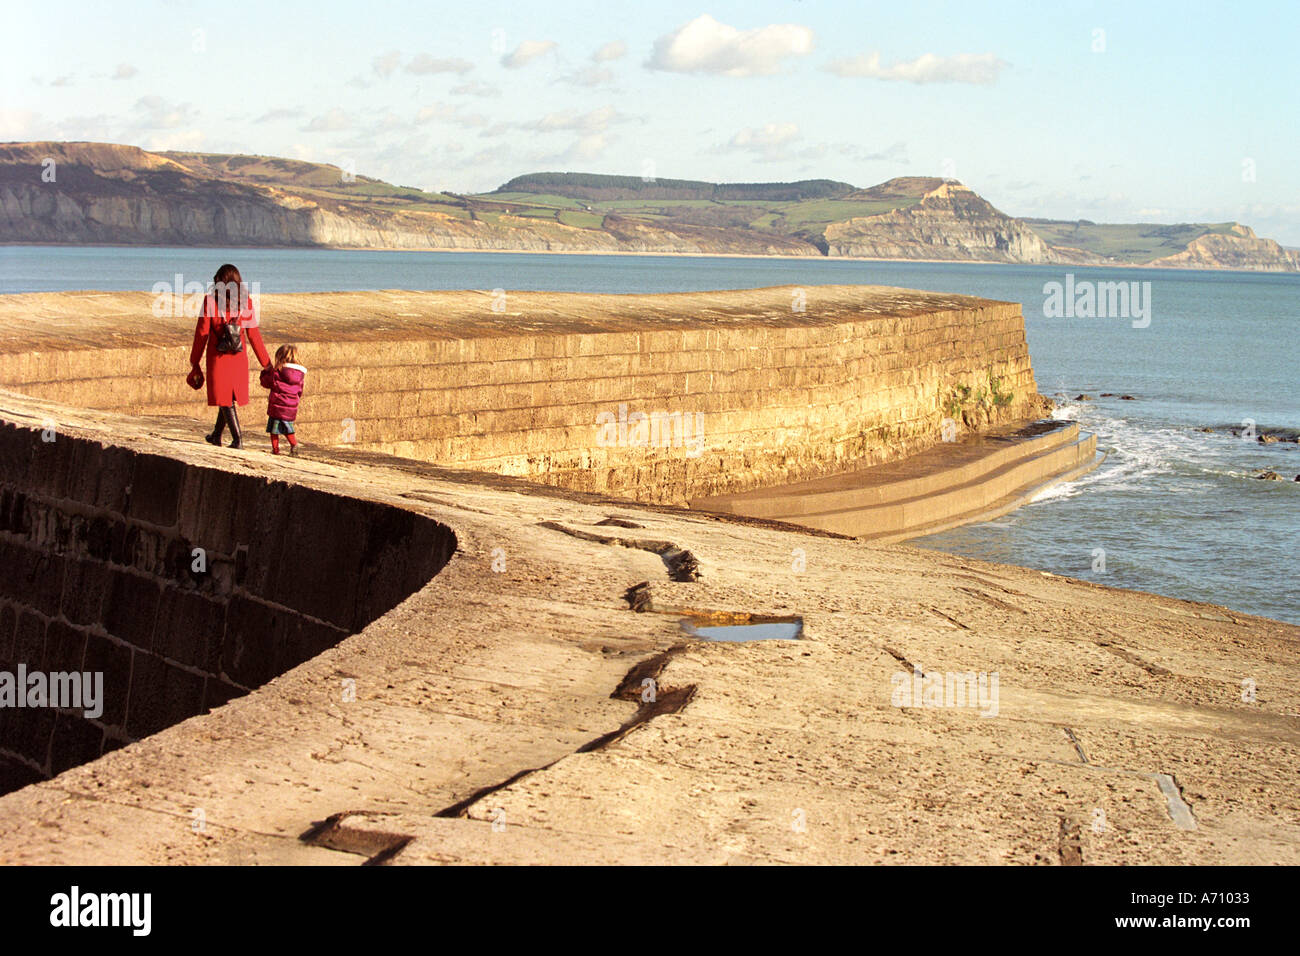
x=975, y=479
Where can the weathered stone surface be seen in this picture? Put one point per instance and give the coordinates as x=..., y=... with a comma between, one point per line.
x=787, y=751
x=738, y=389
x=84, y=588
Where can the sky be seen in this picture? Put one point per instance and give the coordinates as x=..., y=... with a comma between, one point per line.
x=1114, y=112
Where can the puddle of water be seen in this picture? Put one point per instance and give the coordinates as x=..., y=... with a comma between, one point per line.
x=771, y=629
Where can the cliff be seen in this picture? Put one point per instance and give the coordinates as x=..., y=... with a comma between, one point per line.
x=949, y=222
x=84, y=193
x=123, y=195
x=1239, y=248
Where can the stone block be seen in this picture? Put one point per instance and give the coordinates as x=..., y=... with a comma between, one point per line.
x=190, y=628
x=39, y=579
x=322, y=580
x=103, y=538
x=114, y=662
x=51, y=464
x=131, y=608
x=218, y=692
x=65, y=647
x=32, y=731
x=116, y=474
x=148, y=709
x=8, y=625
x=75, y=741
x=156, y=489
x=16, y=446
x=249, y=646
x=29, y=640
x=86, y=586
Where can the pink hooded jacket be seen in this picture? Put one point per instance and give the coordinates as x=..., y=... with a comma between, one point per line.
x=286, y=389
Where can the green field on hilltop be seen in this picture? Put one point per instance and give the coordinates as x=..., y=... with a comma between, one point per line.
x=765, y=214
x=1124, y=242
x=825, y=211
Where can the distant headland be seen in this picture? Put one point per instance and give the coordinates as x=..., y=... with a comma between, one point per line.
x=89, y=193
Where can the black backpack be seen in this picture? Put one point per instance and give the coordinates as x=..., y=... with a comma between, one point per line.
x=227, y=336
x=229, y=339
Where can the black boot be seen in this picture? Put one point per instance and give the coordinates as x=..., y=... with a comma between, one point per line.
x=232, y=419
x=217, y=429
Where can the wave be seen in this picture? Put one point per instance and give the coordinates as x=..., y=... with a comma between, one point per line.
x=1145, y=456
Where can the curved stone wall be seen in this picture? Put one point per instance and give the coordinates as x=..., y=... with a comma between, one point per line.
x=180, y=586
x=738, y=389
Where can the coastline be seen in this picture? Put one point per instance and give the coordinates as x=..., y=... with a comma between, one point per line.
x=684, y=255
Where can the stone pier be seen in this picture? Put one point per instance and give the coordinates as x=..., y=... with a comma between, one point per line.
x=661, y=398
x=443, y=655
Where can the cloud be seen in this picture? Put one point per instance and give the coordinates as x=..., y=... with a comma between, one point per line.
x=331, y=122
x=587, y=147
x=425, y=64
x=64, y=80
x=591, y=76
x=475, y=88
x=154, y=112
x=613, y=50
x=582, y=150
x=526, y=52
x=595, y=121
x=275, y=116
x=706, y=46
x=16, y=124
x=450, y=114
x=894, y=153
x=371, y=130
x=435, y=111
x=386, y=64
x=978, y=69
x=124, y=71
x=769, y=142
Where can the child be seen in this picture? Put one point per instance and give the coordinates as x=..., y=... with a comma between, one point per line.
x=284, y=378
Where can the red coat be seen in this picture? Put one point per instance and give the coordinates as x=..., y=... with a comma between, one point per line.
x=227, y=375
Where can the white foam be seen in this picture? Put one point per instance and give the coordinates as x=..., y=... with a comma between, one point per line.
x=1062, y=489
x=1137, y=453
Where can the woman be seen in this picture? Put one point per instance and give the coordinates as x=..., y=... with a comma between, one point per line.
x=228, y=318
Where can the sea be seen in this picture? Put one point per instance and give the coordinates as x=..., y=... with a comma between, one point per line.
x=1208, y=360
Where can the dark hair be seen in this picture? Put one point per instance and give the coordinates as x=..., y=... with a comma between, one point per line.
x=228, y=285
